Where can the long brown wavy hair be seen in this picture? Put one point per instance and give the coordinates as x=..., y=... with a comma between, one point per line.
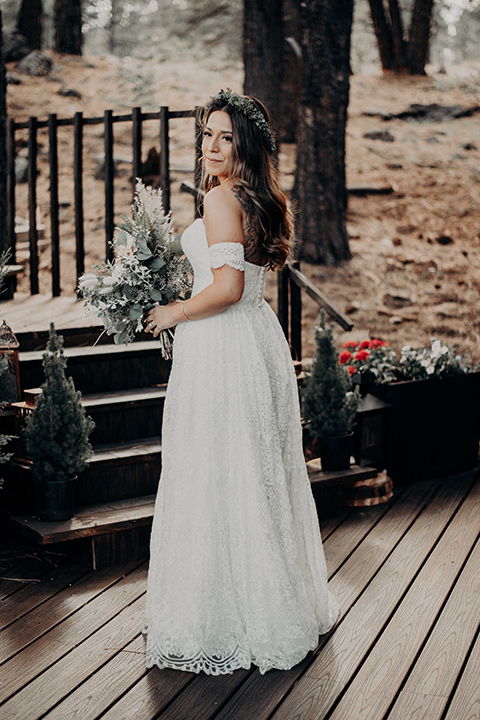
x=253, y=172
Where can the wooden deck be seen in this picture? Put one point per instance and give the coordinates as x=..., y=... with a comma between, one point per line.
x=34, y=313
x=407, y=644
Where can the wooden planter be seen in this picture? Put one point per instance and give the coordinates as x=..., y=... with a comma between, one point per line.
x=434, y=426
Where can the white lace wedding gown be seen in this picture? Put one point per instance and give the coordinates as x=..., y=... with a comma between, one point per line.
x=237, y=571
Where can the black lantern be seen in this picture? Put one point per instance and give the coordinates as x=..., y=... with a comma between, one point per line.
x=370, y=434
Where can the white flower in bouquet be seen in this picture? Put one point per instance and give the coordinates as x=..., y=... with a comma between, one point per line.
x=146, y=271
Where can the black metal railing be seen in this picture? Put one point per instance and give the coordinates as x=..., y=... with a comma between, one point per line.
x=137, y=118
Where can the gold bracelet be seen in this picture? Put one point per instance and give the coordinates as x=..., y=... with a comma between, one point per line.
x=184, y=313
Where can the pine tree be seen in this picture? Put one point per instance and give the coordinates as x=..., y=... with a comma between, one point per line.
x=329, y=404
x=57, y=431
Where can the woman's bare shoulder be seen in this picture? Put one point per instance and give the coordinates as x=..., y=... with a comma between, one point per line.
x=222, y=216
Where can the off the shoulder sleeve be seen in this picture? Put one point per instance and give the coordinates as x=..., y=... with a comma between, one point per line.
x=227, y=253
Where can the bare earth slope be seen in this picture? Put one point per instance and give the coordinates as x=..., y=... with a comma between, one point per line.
x=414, y=271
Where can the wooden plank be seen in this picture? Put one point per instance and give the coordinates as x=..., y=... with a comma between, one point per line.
x=466, y=701
x=315, y=694
x=327, y=527
x=151, y=695
x=204, y=695
x=34, y=594
x=378, y=681
x=347, y=585
x=65, y=675
x=432, y=681
x=85, y=524
x=47, y=633
x=334, y=478
x=94, y=696
x=54, y=220
x=28, y=570
x=266, y=692
x=342, y=543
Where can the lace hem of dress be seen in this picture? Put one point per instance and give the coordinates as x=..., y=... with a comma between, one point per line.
x=237, y=660
x=227, y=253
x=286, y=653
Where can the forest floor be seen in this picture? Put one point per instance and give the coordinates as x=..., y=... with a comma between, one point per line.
x=414, y=270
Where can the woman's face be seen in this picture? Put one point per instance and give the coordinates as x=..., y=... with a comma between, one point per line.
x=217, y=144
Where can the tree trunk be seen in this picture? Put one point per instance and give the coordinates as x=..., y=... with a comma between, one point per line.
x=383, y=33
x=291, y=72
x=320, y=179
x=419, y=38
x=30, y=22
x=68, y=26
x=3, y=148
x=262, y=52
x=398, y=41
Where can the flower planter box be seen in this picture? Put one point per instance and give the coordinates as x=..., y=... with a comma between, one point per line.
x=433, y=428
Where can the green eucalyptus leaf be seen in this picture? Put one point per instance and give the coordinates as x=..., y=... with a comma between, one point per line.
x=121, y=337
x=156, y=264
x=135, y=311
x=156, y=294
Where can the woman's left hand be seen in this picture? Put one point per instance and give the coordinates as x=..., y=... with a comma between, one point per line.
x=160, y=318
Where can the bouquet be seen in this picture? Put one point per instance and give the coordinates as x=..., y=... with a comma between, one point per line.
x=147, y=270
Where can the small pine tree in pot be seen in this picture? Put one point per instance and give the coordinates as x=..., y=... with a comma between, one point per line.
x=56, y=436
x=329, y=405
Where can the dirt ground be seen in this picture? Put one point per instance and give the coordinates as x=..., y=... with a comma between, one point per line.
x=414, y=271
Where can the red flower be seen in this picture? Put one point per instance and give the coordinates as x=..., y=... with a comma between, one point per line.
x=376, y=343
x=350, y=344
x=365, y=344
x=344, y=356
x=361, y=355
x=351, y=370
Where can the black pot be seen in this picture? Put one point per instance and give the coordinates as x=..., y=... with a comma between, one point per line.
x=335, y=452
x=55, y=499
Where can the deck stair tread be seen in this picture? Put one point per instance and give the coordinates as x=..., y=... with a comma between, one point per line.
x=113, y=397
x=96, y=350
x=102, y=453
x=108, y=516
x=321, y=479
x=88, y=521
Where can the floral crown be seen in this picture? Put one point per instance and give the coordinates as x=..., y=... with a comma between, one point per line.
x=247, y=107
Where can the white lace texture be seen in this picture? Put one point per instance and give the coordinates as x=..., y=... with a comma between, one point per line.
x=227, y=253
x=237, y=571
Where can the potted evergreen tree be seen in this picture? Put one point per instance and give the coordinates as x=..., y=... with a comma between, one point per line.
x=329, y=404
x=56, y=436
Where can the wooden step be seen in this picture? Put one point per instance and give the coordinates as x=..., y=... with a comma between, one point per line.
x=119, y=416
x=104, y=367
x=328, y=487
x=117, y=471
x=89, y=520
x=118, y=531
x=105, y=534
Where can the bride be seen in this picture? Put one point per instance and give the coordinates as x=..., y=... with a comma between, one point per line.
x=237, y=572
